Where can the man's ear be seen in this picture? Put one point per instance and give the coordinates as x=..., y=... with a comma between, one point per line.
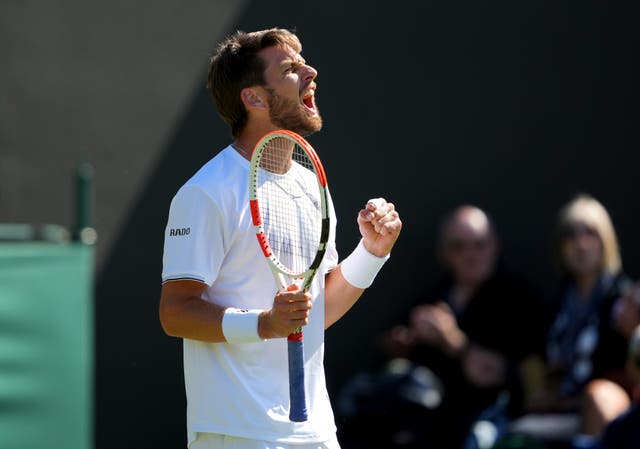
x=252, y=98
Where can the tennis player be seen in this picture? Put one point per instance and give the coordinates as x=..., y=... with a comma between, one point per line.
x=218, y=293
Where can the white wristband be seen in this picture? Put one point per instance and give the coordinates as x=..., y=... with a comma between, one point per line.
x=240, y=325
x=361, y=267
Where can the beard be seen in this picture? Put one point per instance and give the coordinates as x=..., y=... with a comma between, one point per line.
x=291, y=115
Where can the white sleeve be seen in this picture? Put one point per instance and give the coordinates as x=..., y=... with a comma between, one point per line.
x=193, y=238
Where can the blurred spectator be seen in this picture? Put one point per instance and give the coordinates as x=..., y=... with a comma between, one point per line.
x=582, y=343
x=472, y=332
x=608, y=398
x=624, y=431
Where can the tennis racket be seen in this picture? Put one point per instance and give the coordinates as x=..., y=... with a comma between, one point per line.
x=290, y=213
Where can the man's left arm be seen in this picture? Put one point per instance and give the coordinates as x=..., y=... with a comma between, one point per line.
x=380, y=226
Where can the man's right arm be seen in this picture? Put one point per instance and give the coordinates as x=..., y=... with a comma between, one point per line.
x=183, y=313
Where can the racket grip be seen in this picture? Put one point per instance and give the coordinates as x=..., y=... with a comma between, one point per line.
x=298, y=408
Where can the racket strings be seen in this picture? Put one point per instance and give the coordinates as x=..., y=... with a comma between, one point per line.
x=290, y=204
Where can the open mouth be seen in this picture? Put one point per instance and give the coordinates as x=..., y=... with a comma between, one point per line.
x=308, y=101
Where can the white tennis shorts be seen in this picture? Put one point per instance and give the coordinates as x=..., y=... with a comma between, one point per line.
x=216, y=441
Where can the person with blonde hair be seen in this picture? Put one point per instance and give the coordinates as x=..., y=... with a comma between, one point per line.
x=584, y=219
x=582, y=343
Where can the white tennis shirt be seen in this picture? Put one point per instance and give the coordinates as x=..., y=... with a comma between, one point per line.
x=241, y=390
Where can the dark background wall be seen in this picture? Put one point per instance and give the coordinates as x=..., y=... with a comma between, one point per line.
x=105, y=82
x=513, y=106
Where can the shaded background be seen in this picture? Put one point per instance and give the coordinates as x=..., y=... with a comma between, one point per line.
x=513, y=106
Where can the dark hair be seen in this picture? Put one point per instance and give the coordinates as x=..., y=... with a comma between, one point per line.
x=236, y=65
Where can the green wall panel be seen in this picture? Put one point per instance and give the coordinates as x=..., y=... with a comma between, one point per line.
x=46, y=346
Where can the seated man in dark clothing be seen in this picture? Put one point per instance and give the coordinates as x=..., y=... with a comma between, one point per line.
x=475, y=331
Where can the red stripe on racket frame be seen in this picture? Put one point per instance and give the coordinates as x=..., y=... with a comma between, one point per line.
x=255, y=213
x=264, y=245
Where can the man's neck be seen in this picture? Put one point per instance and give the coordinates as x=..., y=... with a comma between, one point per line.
x=461, y=294
x=248, y=139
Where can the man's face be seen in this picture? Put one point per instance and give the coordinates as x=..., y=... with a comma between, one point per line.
x=290, y=90
x=470, y=249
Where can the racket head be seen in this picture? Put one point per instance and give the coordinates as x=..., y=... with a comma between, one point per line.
x=289, y=204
